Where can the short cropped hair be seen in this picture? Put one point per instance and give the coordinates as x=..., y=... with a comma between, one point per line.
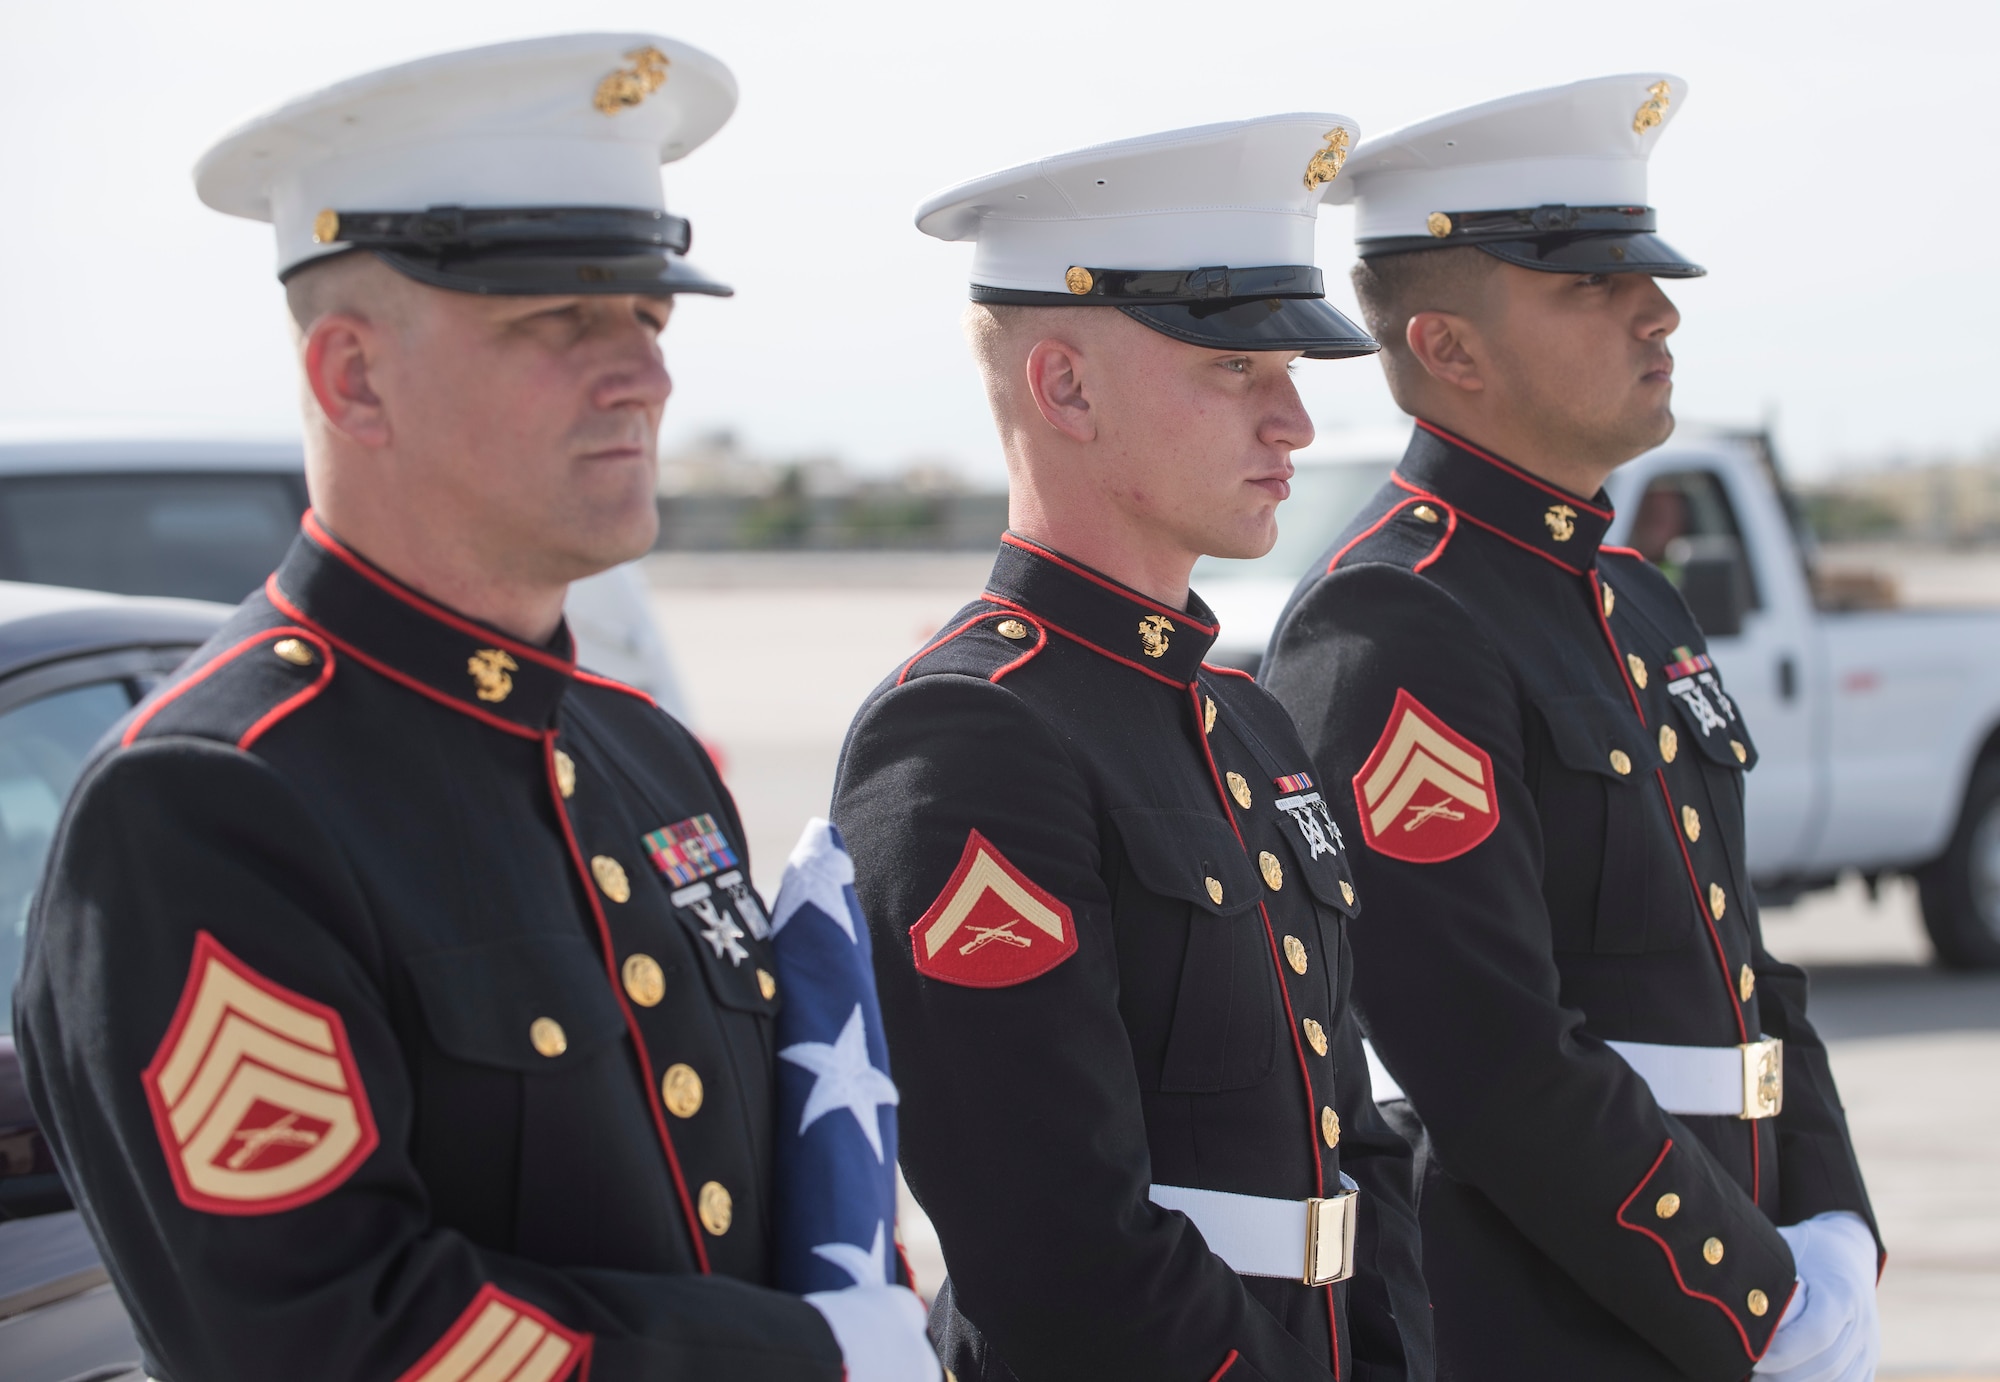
x=351, y=282
x=1392, y=288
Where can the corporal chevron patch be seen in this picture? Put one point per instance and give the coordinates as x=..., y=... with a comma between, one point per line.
x=500, y=1338
x=992, y=926
x=1426, y=792
x=254, y=1092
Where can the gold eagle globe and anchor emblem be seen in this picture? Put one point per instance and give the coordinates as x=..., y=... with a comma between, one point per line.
x=1659, y=97
x=1327, y=162
x=490, y=679
x=1153, y=631
x=1561, y=519
x=628, y=86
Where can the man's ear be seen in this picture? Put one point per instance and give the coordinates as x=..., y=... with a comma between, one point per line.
x=1448, y=347
x=339, y=352
x=1055, y=373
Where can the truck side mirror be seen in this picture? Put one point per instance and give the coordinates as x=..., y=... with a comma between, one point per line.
x=1715, y=582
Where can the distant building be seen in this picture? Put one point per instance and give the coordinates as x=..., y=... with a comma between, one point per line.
x=1952, y=503
x=715, y=496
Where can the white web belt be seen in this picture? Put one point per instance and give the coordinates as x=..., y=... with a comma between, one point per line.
x=1310, y=1241
x=1746, y=1081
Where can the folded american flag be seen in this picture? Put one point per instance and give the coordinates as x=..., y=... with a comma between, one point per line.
x=836, y=1152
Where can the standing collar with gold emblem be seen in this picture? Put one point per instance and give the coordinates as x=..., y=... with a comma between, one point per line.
x=1504, y=499
x=1115, y=620
x=383, y=624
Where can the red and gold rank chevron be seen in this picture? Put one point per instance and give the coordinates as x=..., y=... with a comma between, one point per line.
x=501, y=1338
x=992, y=926
x=254, y=1092
x=1426, y=792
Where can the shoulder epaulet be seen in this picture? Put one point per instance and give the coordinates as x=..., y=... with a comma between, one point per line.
x=238, y=690
x=1412, y=534
x=987, y=639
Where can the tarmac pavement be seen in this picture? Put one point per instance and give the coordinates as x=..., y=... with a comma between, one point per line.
x=777, y=651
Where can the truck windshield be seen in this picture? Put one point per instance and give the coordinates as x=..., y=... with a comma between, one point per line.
x=208, y=536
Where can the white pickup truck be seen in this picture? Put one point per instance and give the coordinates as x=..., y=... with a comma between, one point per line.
x=1878, y=727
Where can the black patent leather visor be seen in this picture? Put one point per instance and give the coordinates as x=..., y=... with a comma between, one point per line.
x=1644, y=253
x=1309, y=325
x=553, y=271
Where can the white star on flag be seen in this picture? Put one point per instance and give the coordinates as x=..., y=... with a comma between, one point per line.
x=816, y=873
x=868, y=1266
x=845, y=1079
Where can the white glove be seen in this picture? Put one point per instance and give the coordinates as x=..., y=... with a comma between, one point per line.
x=880, y=1330
x=1830, y=1332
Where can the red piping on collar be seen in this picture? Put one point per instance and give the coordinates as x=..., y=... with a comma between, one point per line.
x=593, y=679
x=417, y=602
x=1625, y=552
x=1516, y=471
x=1010, y=606
x=1525, y=547
x=375, y=664
x=1227, y=1364
x=1675, y=1266
x=1116, y=589
x=216, y=664
x=653, y=1105
x=1222, y=671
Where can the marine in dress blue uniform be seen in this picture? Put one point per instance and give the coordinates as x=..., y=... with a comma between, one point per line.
x=1111, y=912
x=397, y=1001
x=1543, y=773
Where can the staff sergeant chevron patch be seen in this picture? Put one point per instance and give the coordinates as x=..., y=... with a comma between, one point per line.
x=1426, y=792
x=502, y=1339
x=254, y=1092
x=991, y=926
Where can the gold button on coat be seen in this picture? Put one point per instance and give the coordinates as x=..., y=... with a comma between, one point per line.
x=680, y=1090
x=1347, y=892
x=546, y=1035
x=1667, y=1205
x=1239, y=789
x=715, y=1207
x=295, y=651
x=565, y=774
x=1295, y=954
x=1329, y=1126
x=610, y=875
x=1315, y=1036
x=1610, y=601
x=1711, y=1251
x=1214, y=890
x=1621, y=762
x=767, y=984
x=1638, y=666
x=1670, y=743
x=1012, y=628
x=1691, y=822
x=1424, y=513
x=1758, y=1302
x=1208, y=715
x=1736, y=747
x=1746, y=983
x=1718, y=901
x=645, y=981
x=1273, y=871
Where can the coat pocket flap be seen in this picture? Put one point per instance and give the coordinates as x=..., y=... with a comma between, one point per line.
x=533, y=1003
x=1190, y=855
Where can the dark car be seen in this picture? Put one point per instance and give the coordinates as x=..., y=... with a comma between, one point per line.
x=71, y=663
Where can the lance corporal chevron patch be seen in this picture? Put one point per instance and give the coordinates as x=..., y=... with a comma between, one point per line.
x=992, y=926
x=254, y=1092
x=1426, y=792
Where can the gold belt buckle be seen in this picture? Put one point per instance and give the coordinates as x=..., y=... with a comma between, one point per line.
x=1763, y=1078
x=1330, y=1239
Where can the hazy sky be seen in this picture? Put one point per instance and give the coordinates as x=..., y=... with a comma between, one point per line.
x=1832, y=166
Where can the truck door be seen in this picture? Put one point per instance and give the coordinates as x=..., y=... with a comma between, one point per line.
x=1687, y=503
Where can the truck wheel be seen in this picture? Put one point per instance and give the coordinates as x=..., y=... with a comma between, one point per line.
x=1961, y=890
